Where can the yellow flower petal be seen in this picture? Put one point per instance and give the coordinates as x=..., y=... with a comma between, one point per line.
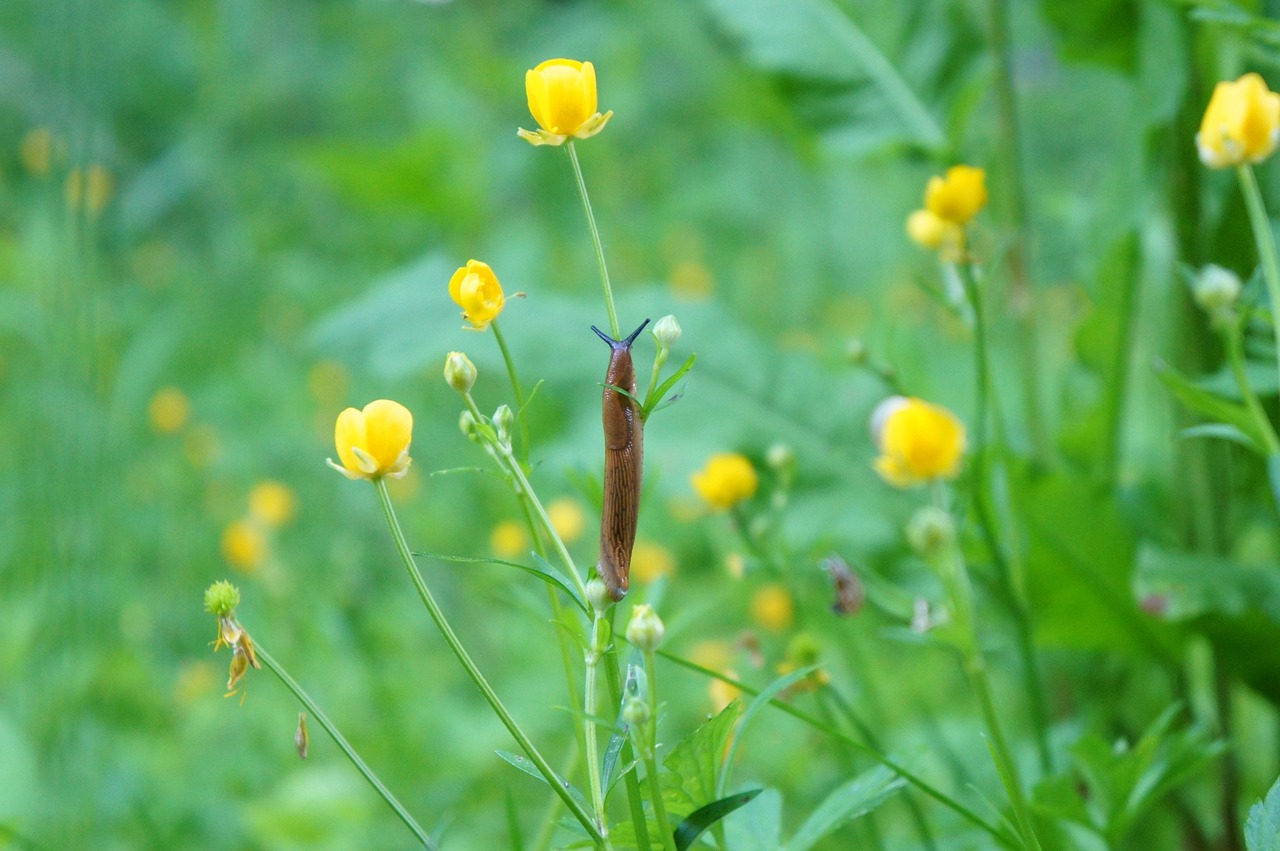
x=727, y=479
x=563, y=100
x=374, y=442
x=918, y=441
x=958, y=196
x=1241, y=123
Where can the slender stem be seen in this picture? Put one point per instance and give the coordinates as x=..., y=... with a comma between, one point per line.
x=648, y=753
x=614, y=329
x=1266, y=242
x=521, y=414
x=635, y=800
x=451, y=638
x=981, y=484
x=822, y=698
x=1235, y=355
x=599, y=637
x=342, y=743
x=658, y=360
x=1015, y=203
x=880, y=757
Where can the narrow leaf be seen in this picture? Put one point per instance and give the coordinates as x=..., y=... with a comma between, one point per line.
x=850, y=801
x=757, y=703
x=701, y=819
x=1202, y=401
x=530, y=769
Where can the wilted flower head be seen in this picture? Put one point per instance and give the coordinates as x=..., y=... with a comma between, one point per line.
x=476, y=290
x=562, y=99
x=1241, y=123
x=374, y=442
x=959, y=195
x=727, y=479
x=918, y=441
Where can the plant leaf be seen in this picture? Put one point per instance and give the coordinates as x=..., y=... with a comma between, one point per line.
x=1262, y=830
x=541, y=569
x=532, y=770
x=760, y=700
x=703, y=817
x=1202, y=401
x=847, y=802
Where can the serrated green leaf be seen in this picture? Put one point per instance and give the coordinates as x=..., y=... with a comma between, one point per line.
x=1262, y=829
x=694, y=764
x=757, y=703
x=852, y=800
x=703, y=817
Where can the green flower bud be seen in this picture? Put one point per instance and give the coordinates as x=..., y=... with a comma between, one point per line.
x=931, y=532
x=503, y=419
x=467, y=424
x=598, y=595
x=460, y=372
x=804, y=650
x=635, y=711
x=667, y=332
x=1216, y=289
x=645, y=629
x=780, y=457
x=221, y=599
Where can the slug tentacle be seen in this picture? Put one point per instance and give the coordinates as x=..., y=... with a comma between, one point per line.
x=623, y=465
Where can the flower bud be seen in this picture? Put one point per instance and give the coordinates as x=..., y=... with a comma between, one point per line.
x=667, y=332
x=1216, y=289
x=931, y=532
x=503, y=420
x=460, y=372
x=467, y=424
x=780, y=457
x=645, y=629
x=635, y=711
x=221, y=599
x=598, y=595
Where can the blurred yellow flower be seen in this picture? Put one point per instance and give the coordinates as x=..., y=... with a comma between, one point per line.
x=568, y=518
x=691, y=280
x=476, y=290
x=562, y=99
x=722, y=694
x=959, y=195
x=244, y=545
x=735, y=565
x=650, y=561
x=272, y=503
x=509, y=540
x=931, y=231
x=772, y=607
x=374, y=442
x=918, y=442
x=168, y=410
x=727, y=479
x=89, y=189
x=39, y=151
x=1241, y=123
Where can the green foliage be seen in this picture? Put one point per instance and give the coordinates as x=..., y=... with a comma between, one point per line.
x=1262, y=830
x=693, y=767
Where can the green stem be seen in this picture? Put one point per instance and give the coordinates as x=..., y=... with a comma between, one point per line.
x=1266, y=242
x=981, y=485
x=490, y=696
x=521, y=414
x=880, y=757
x=614, y=329
x=635, y=800
x=658, y=361
x=599, y=637
x=323, y=720
x=1235, y=354
x=648, y=752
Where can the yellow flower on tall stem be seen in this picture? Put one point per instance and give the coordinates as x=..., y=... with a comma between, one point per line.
x=918, y=442
x=476, y=290
x=727, y=479
x=1241, y=123
x=374, y=442
x=562, y=99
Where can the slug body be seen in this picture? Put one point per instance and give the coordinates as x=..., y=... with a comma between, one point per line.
x=623, y=465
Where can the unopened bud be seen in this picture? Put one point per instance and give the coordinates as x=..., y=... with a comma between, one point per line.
x=467, y=424
x=931, y=532
x=598, y=595
x=645, y=628
x=1216, y=288
x=635, y=711
x=780, y=457
x=503, y=420
x=667, y=332
x=460, y=372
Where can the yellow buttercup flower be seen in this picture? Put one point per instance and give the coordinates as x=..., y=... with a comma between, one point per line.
x=727, y=479
x=959, y=195
x=476, y=290
x=929, y=230
x=649, y=561
x=562, y=99
x=568, y=518
x=918, y=441
x=272, y=503
x=168, y=410
x=374, y=442
x=509, y=539
x=1241, y=123
x=244, y=546
x=772, y=607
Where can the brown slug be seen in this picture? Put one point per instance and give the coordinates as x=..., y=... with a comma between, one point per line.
x=623, y=464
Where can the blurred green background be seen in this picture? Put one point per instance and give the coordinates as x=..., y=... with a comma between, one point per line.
x=223, y=222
